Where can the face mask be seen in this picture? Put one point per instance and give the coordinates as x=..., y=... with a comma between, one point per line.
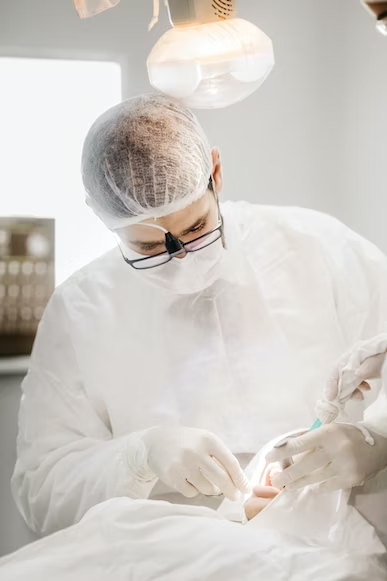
x=191, y=274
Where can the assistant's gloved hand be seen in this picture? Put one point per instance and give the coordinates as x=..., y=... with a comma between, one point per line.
x=335, y=456
x=362, y=363
x=193, y=461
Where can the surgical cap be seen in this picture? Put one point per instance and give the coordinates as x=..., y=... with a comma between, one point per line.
x=146, y=157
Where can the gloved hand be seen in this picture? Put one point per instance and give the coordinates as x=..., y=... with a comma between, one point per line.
x=335, y=456
x=359, y=365
x=194, y=461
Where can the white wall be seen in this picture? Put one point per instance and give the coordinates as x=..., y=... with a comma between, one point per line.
x=278, y=145
x=365, y=119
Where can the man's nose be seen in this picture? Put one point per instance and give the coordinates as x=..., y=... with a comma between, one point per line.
x=182, y=254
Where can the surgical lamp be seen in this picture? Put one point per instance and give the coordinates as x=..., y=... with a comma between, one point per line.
x=209, y=58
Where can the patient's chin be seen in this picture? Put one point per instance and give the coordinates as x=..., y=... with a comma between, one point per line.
x=260, y=499
x=254, y=506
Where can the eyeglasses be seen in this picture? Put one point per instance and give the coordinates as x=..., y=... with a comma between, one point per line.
x=177, y=248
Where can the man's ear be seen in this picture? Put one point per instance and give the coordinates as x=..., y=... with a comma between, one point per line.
x=217, y=174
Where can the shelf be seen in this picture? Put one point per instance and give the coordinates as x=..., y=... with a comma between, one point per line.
x=14, y=365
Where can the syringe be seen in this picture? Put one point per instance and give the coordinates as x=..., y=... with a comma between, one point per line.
x=317, y=424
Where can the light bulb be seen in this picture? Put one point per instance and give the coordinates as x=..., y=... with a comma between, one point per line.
x=211, y=65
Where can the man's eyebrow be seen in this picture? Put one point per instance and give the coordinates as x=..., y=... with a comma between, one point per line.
x=150, y=244
x=198, y=222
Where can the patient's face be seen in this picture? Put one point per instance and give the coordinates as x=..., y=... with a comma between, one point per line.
x=260, y=499
x=262, y=495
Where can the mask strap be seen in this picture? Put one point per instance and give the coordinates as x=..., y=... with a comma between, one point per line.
x=155, y=226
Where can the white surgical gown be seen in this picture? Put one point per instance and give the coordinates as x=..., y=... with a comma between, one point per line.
x=246, y=358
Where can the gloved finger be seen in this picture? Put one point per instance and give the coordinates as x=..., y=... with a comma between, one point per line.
x=231, y=465
x=332, y=386
x=371, y=367
x=331, y=390
x=358, y=394
x=202, y=484
x=214, y=473
x=364, y=386
x=302, y=468
x=294, y=446
x=318, y=476
x=330, y=485
x=186, y=489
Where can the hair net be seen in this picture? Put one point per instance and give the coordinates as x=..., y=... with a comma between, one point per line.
x=146, y=157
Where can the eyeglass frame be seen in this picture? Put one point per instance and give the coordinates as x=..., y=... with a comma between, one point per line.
x=183, y=244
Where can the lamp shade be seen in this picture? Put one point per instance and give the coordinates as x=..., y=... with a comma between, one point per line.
x=211, y=65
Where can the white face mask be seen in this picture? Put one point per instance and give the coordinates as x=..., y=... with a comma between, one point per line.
x=191, y=274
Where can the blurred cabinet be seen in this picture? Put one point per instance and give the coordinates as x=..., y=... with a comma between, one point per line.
x=27, y=280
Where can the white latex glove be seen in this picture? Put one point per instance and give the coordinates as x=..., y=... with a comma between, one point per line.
x=335, y=456
x=194, y=461
x=361, y=364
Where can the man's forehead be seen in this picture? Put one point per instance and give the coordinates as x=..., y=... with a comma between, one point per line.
x=175, y=223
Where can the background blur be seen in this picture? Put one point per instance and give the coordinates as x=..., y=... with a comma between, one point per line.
x=314, y=135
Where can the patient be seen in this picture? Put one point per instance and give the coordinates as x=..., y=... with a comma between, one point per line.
x=261, y=497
